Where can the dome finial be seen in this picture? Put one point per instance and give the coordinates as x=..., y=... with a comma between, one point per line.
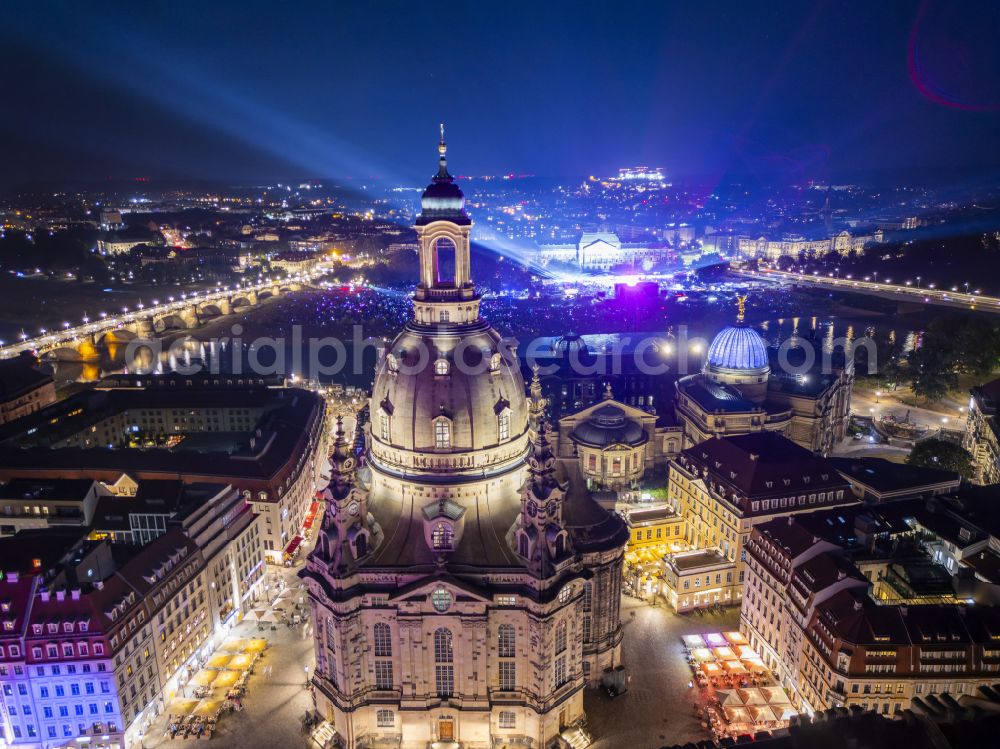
x=741, y=306
x=442, y=159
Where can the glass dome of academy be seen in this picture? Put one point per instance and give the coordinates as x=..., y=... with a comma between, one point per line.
x=456, y=550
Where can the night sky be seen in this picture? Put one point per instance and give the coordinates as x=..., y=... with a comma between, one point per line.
x=244, y=91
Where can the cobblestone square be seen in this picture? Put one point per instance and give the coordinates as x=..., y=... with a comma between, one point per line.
x=659, y=707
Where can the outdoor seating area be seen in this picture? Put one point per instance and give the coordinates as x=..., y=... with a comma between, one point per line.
x=740, y=695
x=218, y=687
x=288, y=608
x=724, y=660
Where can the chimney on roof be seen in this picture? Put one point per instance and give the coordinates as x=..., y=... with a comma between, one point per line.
x=99, y=585
x=60, y=595
x=75, y=594
x=754, y=456
x=45, y=596
x=841, y=574
x=12, y=577
x=791, y=520
x=858, y=605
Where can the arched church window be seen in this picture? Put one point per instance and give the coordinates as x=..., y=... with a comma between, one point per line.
x=441, y=537
x=445, y=316
x=495, y=363
x=444, y=671
x=383, y=640
x=444, y=260
x=384, y=426
x=442, y=434
x=522, y=545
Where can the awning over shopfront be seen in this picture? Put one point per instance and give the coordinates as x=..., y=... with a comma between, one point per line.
x=293, y=545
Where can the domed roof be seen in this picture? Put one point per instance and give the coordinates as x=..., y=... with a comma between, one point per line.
x=443, y=199
x=738, y=347
x=608, y=426
x=480, y=397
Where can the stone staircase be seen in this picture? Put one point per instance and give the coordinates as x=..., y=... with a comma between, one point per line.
x=576, y=737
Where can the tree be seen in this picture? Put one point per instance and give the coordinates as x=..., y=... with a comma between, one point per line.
x=932, y=372
x=942, y=454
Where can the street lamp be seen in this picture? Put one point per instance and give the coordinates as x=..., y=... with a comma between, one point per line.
x=306, y=669
x=918, y=282
x=878, y=394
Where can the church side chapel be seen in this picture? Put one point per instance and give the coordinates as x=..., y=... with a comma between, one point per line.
x=461, y=594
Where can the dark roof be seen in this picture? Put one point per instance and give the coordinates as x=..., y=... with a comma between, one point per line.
x=608, y=425
x=764, y=463
x=42, y=488
x=47, y=545
x=19, y=376
x=885, y=477
x=711, y=396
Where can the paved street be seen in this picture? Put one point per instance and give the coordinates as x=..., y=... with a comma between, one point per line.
x=275, y=701
x=658, y=708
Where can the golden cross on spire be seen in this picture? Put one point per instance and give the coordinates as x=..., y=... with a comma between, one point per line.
x=441, y=146
x=741, y=305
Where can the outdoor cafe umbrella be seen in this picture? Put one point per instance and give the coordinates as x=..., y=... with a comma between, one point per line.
x=181, y=707
x=218, y=661
x=745, y=651
x=255, y=645
x=204, y=678
x=737, y=715
x=715, y=640
x=733, y=667
x=270, y=616
x=724, y=654
x=735, y=638
x=754, y=664
x=208, y=708
x=761, y=713
x=775, y=695
x=751, y=696
x=729, y=698
x=693, y=641
x=702, y=654
x=711, y=669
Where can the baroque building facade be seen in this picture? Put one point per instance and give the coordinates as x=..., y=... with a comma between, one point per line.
x=739, y=392
x=460, y=593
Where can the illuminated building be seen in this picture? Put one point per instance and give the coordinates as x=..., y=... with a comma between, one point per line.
x=90, y=643
x=982, y=433
x=725, y=486
x=101, y=624
x=738, y=392
x=615, y=444
x=460, y=592
x=23, y=388
x=601, y=250
x=842, y=243
x=271, y=436
x=814, y=611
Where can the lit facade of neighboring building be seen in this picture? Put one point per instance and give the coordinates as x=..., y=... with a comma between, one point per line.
x=725, y=486
x=982, y=432
x=843, y=243
x=23, y=388
x=601, y=251
x=275, y=436
x=460, y=593
x=92, y=647
x=616, y=444
x=737, y=392
x=831, y=609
